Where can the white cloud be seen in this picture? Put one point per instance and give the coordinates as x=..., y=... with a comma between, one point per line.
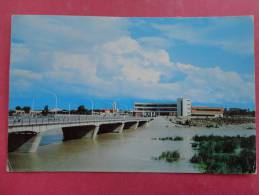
x=139, y=74
x=124, y=68
x=26, y=74
x=76, y=65
x=19, y=53
x=123, y=45
x=211, y=35
x=89, y=57
x=155, y=42
x=67, y=33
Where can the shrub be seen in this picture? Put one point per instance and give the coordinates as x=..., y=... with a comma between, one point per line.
x=169, y=156
x=220, y=154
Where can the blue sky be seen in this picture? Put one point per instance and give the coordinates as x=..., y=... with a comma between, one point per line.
x=99, y=60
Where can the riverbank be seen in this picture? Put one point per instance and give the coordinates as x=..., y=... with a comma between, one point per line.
x=239, y=123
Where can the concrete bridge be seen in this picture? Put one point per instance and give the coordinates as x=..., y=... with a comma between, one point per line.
x=24, y=133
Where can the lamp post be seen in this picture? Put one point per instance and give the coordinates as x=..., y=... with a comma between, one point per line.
x=33, y=102
x=56, y=98
x=92, y=106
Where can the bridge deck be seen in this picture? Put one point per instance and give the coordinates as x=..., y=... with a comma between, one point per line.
x=37, y=123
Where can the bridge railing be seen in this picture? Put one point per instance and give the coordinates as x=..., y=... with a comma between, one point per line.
x=66, y=119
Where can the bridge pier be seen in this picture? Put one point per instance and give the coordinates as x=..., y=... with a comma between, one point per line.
x=130, y=125
x=111, y=128
x=26, y=141
x=95, y=132
x=143, y=124
x=32, y=145
x=135, y=126
x=78, y=132
x=121, y=127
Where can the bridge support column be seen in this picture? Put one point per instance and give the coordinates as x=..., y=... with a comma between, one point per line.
x=96, y=130
x=146, y=124
x=31, y=145
x=135, y=126
x=121, y=128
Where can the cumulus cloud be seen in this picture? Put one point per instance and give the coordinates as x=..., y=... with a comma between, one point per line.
x=26, y=74
x=154, y=42
x=19, y=53
x=102, y=59
x=124, y=68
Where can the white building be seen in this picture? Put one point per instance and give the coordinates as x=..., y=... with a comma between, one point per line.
x=184, y=107
x=155, y=109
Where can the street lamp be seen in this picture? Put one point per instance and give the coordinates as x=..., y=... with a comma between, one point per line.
x=92, y=105
x=56, y=98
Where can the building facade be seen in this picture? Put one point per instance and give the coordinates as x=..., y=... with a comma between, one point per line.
x=155, y=109
x=204, y=111
x=181, y=108
x=184, y=107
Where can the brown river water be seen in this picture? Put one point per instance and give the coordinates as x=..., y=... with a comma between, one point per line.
x=130, y=151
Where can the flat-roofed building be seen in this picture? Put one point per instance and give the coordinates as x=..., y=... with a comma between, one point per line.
x=204, y=111
x=184, y=107
x=19, y=112
x=155, y=109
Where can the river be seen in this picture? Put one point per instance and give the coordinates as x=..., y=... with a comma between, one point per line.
x=130, y=151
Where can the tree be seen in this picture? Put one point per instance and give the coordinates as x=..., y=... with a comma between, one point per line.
x=45, y=111
x=81, y=109
x=18, y=108
x=27, y=109
x=11, y=112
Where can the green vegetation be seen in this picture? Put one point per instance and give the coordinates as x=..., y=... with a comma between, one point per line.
x=217, y=122
x=212, y=126
x=194, y=145
x=45, y=111
x=26, y=109
x=169, y=156
x=81, y=109
x=18, y=108
x=225, y=154
x=176, y=138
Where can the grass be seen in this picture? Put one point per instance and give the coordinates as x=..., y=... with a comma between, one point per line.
x=225, y=154
x=169, y=156
x=176, y=138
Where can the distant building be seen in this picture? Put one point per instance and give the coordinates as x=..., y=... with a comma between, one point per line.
x=54, y=111
x=155, y=109
x=184, y=107
x=203, y=111
x=104, y=111
x=19, y=112
x=181, y=108
x=35, y=112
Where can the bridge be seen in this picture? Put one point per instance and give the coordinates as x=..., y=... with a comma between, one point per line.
x=25, y=132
